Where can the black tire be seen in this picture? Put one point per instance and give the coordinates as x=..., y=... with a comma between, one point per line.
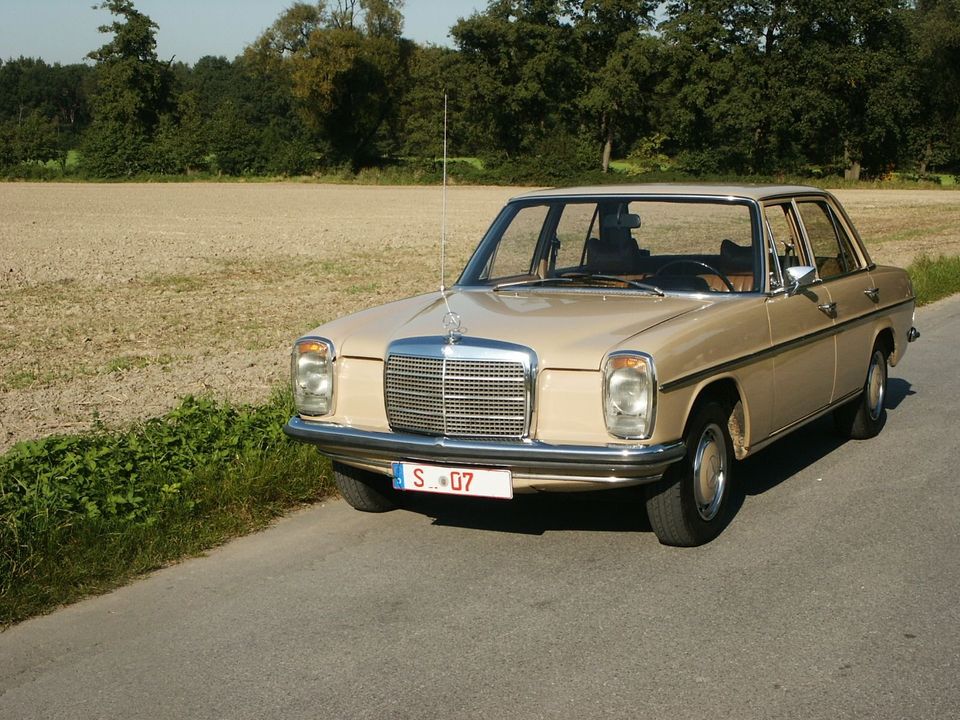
x=864, y=417
x=363, y=490
x=691, y=504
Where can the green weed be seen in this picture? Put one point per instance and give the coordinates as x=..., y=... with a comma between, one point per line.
x=20, y=379
x=362, y=289
x=84, y=513
x=176, y=283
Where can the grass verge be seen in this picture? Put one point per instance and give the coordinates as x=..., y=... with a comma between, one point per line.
x=934, y=279
x=85, y=513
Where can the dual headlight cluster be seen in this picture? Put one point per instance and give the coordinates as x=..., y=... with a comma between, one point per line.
x=629, y=387
x=629, y=395
x=311, y=373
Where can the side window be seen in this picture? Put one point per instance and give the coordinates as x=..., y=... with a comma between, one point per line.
x=577, y=223
x=518, y=244
x=832, y=250
x=784, y=235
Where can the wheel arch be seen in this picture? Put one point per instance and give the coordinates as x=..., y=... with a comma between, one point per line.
x=886, y=339
x=727, y=391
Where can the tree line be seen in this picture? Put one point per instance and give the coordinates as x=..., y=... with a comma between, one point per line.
x=537, y=89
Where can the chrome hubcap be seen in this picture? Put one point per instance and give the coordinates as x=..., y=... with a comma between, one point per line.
x=876, y=384
x=710, y=472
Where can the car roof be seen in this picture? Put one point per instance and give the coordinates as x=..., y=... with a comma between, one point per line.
x=753, y=192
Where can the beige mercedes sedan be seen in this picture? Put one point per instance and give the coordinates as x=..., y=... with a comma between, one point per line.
x=610, y=336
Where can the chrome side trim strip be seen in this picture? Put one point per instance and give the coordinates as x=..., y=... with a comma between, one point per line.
x=528, y=457
x=776, y=349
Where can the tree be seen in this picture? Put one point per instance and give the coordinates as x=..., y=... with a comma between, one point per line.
x=521, y=58
x=234, y=142
x=180, y=142
x=44, y=106
x=757, y=86
x=699, y=48
x=855, y=61
x=290, y=33
x=935, y=30
x=433, y=71
x=347, y=70
x=619, y=69
x=133, y=92
x=37, y=140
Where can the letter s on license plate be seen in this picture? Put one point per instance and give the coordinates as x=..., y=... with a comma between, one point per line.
x=478, y=482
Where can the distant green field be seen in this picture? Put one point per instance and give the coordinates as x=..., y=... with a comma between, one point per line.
x=472, y=161
x=621, y=165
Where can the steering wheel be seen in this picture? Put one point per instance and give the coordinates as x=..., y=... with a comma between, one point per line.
x=709, y=268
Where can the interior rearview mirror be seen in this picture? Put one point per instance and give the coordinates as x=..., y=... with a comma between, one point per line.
x=800, y=276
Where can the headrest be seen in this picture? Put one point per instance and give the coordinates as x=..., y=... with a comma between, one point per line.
x=736, y=253
x=627, y=221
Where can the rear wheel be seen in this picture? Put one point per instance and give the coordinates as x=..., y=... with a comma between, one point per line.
x=864, y=417
x=363, y=490
x=690, y=505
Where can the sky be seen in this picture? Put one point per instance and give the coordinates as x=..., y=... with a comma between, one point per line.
x=65, y=31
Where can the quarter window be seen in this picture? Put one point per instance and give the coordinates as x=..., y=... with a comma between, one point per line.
x=784, y=239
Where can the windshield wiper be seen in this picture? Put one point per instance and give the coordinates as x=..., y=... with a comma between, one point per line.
x=632, y=283
x=531, y=281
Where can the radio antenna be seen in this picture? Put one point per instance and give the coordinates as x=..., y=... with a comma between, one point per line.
x=443, y=216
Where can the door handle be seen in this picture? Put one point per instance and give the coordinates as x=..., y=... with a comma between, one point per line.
x=873, y=294
x=830, y=309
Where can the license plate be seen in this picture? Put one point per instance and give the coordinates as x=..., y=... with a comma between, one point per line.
x=477, y=482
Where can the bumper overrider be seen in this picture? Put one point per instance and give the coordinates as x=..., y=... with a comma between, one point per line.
x=529, y=460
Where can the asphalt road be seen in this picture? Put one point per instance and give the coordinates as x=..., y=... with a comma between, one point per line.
x=833, y=594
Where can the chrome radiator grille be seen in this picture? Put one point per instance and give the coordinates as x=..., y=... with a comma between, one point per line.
x=457, y=397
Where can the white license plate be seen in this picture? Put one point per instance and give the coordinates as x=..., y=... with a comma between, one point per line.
x=477, y=482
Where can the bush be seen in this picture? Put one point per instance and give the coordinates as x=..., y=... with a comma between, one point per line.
x=82, y=513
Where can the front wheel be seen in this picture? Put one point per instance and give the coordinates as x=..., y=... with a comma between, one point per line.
x=864, y=417
x=363, y=490
x=691, y=505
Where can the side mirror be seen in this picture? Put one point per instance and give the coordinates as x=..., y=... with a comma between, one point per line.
x=800, y=276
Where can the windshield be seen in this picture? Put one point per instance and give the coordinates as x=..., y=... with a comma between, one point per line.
x=638, y=244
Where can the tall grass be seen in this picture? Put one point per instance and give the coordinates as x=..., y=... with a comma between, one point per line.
x=82, y=514
x=934, y=279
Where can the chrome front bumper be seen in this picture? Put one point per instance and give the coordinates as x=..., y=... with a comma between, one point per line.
x=532, y=462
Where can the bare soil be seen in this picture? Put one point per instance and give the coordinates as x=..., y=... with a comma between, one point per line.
x=118, y=300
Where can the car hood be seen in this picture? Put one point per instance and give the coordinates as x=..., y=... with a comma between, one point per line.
x=572, y=330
